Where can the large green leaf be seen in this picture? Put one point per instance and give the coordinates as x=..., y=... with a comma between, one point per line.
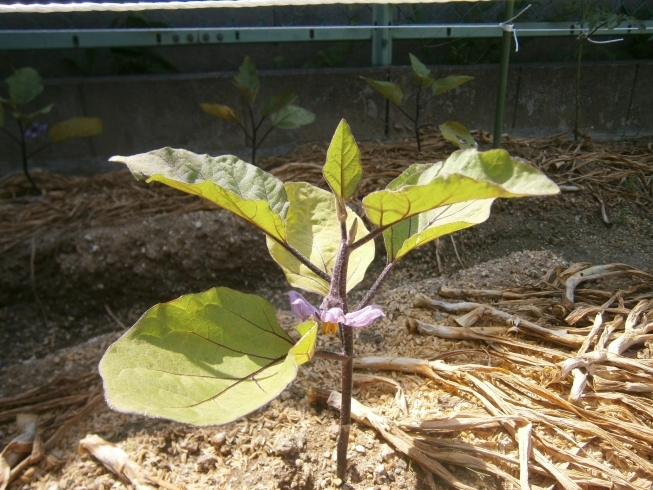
x=457, y=134
x=425, y=227
x=247, y=81
x=204, y=359
x=278, y=102
x=465, y=175
x=222, y=111
x=342, y=169
x=443, y=85
x=313, y=229
x=420, y=72
x=237, y=186
x=75, y=127
x=292, y=117
x=24, y=85
x=389, y=90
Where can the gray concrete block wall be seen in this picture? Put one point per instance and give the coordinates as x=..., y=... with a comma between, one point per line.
x=143, y=113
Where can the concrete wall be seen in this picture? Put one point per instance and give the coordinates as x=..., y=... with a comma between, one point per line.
x=143, y=113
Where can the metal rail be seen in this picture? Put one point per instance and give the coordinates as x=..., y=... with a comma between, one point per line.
x=382, y=34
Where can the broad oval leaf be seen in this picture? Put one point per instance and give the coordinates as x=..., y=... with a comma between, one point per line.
x=247, y=191
x=75, y=127
x=457, y=134
x=24, y=85
x=443, y=85
x=425, y=227
x=203, y=359
x=278, y=102
x=420, y=72
x=247, y=81
x=389, y=90
x=313, y=229
x=222, y=111
x=342, y=169
x=465, y=175
x=292, y=117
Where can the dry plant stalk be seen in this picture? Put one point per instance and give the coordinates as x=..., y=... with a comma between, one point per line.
x=578, y=418
x=115, y=460
x=22, y=451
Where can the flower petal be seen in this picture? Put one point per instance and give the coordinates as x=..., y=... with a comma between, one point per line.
x=333, y=315
x=301, y=307
x=362, y=318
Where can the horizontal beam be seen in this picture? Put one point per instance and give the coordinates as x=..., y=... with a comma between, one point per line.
x=113, y=38
x=109, y=38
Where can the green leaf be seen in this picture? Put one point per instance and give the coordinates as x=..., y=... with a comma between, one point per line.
x=278, y=102
x=421, y=73
x=239, y=187
x=464, y=176
x=342, y=169
x=443, y=85
x=389, y=90
x=459, y=135
x=247, y=81
x=75, y=127
x=24, y=85
x=2, y=116
x=313, y=229
x=425, y=227
x=410, y=176
x=203, y=359
x=26, y=119
x=292, y=117
x=222, y=111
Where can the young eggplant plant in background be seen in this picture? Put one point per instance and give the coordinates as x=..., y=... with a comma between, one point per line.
x=24, y=86
x=279, y=110
x=452, y=131
x=212, y=357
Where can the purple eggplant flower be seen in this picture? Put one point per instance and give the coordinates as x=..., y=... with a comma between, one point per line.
x=34, y=130
x=333, y=316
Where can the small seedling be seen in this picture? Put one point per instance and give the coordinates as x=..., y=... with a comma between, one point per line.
x=24, y=86
x=210, y=358
x=452, y=131
x=279, y=110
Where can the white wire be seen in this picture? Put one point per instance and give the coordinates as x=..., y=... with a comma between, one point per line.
x=177, y=5
x=605, y=42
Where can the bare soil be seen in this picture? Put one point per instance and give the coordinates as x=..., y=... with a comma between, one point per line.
x=69, y=290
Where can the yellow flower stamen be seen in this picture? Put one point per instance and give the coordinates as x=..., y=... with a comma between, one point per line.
x=329, y=328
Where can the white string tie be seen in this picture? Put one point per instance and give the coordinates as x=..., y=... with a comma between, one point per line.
x=509, y=26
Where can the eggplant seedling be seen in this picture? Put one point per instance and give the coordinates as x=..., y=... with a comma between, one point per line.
x=212, y=357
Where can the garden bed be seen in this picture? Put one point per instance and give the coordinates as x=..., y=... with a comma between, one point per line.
x=88, y=257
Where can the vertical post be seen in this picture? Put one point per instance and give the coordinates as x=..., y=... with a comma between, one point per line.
x=503, y=78
x=381, y=35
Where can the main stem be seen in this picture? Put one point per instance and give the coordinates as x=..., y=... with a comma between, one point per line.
x=577, y=112
x=337, y=298
x=416, y=121
x=23, y=150
x=347, y=335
